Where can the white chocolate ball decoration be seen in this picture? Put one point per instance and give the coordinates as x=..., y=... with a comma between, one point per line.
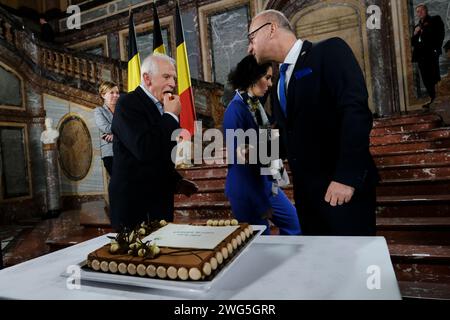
x=141, y=270
x=113, y=267
x=161, y=272
x=122, y=268
x=151, y=271
x=195, y=274
x=183, y=273
x=172, y=272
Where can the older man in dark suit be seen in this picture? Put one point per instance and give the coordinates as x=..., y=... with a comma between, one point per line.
x=144, y=179
x=320, y=105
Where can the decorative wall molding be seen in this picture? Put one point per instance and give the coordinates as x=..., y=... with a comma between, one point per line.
x=22, y=89
x=203, y=13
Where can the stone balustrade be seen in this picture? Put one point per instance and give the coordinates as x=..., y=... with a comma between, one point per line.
x=54, y=59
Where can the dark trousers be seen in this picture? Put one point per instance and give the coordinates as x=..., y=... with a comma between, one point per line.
x=108, y=164
x=318, y=218
x=430, y=73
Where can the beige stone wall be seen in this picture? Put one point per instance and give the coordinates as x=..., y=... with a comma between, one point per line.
x=336, y=18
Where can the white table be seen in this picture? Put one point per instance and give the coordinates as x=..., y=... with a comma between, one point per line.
x=273, y=268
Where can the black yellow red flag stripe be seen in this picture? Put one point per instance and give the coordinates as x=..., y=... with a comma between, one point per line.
x=134, y=63
x=158, y=44
x=187, y=116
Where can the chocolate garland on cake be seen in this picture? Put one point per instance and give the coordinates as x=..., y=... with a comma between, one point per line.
x=128, y=247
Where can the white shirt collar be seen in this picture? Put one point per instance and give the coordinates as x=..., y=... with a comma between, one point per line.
x=293, y=54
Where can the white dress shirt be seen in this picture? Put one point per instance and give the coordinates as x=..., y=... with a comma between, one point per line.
x=291, y=59
x=156, y=101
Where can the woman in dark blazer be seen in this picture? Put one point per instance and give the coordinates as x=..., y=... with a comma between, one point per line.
x=254, y=198
x=109, y=92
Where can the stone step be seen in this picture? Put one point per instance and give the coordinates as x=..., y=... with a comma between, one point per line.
x=417, y=206
x=394, y=192
x=413, y=187
x=212, y=194
x=387, y=206
x=422, y=271
x=433, y=134
x=409, y=152
x=201, y=196
x=414, y=237
x=400, y=187
x=409, y=119
x=411, y=113
x=410, y=146
x=414, y=224
x=403, y=253
x=424, y=290
x=421, y=263
x=205, y=172
x=402, y=171
x=387, y=172
x=423, y=126
x=413, y=157
x=415, y=171
x=427, y=205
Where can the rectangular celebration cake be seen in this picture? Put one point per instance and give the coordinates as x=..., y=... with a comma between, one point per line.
x=173, y=251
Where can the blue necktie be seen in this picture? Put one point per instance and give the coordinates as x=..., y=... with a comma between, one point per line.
x=160, y=107
x=283, y=102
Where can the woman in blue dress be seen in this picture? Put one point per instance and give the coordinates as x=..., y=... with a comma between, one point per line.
x=254, y=198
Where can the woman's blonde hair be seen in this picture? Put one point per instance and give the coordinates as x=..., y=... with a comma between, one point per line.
x=105, y=86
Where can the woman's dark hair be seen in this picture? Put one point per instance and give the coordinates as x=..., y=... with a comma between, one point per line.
x=247, y=73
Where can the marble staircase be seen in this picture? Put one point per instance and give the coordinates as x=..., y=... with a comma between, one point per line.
x=413, y=202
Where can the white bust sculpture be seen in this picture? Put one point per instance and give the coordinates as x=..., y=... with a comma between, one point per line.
x=49, y=135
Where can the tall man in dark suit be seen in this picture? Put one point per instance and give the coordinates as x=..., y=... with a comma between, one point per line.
x=427, y=42
x=144, y=179
x=320, y=105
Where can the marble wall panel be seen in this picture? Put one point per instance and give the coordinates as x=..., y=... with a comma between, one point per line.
x=93, y=182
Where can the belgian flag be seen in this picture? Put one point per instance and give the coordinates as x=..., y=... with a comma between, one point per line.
x=158, y=44
x=187, y=116
x=134, y=63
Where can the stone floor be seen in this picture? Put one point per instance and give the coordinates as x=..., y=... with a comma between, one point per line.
x=22, y=243
x=442, y=107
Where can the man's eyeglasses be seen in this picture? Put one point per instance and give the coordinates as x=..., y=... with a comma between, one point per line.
x=252, y=34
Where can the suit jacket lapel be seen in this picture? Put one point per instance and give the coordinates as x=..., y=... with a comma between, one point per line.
x=306, y=47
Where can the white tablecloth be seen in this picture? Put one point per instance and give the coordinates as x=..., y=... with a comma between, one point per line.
x=272, y=268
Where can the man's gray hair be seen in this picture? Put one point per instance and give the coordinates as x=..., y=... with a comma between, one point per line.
x=150, y=63
x=276, y=16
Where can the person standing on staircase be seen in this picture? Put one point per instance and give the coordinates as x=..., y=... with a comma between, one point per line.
x=320, y=104
x=427, y=42
x=144, y=178
x=254, y=198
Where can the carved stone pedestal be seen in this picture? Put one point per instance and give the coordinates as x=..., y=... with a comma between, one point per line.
x=52, y=180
